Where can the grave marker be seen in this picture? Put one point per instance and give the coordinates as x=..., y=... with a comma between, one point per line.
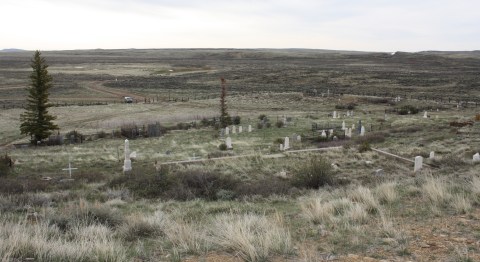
x=362, y=131
x=234, y=129
x=240, y=129
x=476, y=157
x=432, y=155
x=228, y=142
x=69, y=169
x=324, y=134
x=227, y=131
x=287, y=143
x=249, y=128
x=418, y=163
x=127, y=163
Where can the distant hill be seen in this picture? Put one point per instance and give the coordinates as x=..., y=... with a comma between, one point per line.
x=11, y=50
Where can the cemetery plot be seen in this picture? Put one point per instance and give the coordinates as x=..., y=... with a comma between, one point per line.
x=320, y=175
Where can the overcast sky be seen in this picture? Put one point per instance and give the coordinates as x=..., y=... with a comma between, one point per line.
x=367, y=25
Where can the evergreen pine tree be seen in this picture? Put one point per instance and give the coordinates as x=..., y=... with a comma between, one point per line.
x=225, y=118
x=36, y=121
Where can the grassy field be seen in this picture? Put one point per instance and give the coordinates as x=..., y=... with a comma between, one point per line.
x=266, y=204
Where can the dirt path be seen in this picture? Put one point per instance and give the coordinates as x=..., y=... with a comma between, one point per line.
x=97, y=86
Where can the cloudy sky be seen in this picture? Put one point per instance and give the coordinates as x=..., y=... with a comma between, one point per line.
x=368, y=25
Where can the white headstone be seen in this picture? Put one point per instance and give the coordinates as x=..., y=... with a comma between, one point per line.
x=127, y=163
x=281, y=147
x=343, y=125
x=425, y=115
x=234, y=129
x=432, y=155
x=228, y=142
x=249, y=128
x=240, y=129
x=348, y=132
x=287, y=143
x=353, y=126
x=335, y=138
x=348, y=113
x=476, y=157
x=418, y=163
x=362, y=131
x=334, y=114
x=330, y=132
x=299, y=138
x=324, y=134
x=227, y=131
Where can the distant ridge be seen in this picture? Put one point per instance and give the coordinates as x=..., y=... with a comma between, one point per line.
x=11, y=50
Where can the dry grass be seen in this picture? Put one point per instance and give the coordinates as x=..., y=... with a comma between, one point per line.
x=364, y=196
x=252, y=237
x=187, y=237
x=436, y=191
x=461, y=204
x=43, y=242
x=317, y=210
x=141, y=226
x=475, y=188
x=388, y=228
x=386, y=193
x=357, y=214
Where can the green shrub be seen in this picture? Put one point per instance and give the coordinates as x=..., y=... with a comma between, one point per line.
x=236, y=120
x=89, y=177
x=315, y=173
x=276, y=186
x=371, y=138
x=6, y=165
x=278, y=141
x=349, y=106
x=364, y=147
x=191, y=184
x=222, y=147
x=262, y=117
x=408, y=109
x=143, y=185
x=279, y=124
